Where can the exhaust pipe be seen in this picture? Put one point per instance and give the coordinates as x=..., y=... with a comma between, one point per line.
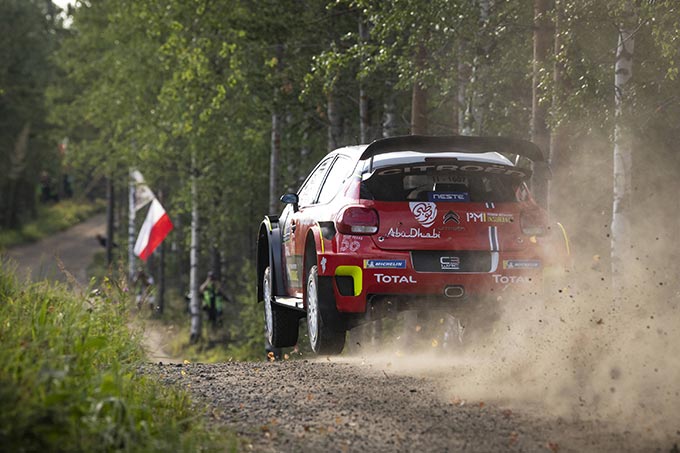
x=454, y=291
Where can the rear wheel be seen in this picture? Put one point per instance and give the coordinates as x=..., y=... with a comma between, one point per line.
x=281, y=323
x=324, y=337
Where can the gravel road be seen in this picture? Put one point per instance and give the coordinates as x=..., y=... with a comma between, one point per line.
x=359, y=406
x=75, y=247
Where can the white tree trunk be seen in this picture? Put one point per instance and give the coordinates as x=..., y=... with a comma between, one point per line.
x=274, y=159
x=365, y=121
x=131, y=229
x=195, y=305
x=389, y=125
x=110, y=212
x=558, y=136
x=464, y=105
x=623, y=160
x=476, y=114
x=540, y=133
x=335, y=123
x=275, y=156
x=364, y=114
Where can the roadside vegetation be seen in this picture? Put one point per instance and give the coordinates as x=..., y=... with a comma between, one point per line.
x=237, y=336
x=70, y=378
x=50, y=219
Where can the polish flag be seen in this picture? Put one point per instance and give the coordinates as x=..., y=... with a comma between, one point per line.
x=156, y=226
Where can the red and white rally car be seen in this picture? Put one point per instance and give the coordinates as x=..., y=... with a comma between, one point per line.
x=409, y=223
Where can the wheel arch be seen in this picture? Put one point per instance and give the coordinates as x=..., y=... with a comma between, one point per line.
x=269, y=254
x=313, y=247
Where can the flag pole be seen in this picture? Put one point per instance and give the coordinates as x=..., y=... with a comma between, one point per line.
x=131, y=229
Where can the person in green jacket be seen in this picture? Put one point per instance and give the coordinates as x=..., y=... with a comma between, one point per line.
x=213, y=299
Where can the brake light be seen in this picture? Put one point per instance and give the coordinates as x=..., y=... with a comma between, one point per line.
x=532, y=222
x=357, y=220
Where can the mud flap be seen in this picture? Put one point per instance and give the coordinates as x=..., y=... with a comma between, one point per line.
x=332, y=318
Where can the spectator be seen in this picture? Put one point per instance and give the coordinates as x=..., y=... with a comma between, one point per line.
x=213, y=299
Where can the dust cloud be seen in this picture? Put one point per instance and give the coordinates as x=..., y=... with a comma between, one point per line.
x=580, y=350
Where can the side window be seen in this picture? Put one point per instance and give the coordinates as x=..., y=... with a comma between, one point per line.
x=522, y=192
x=310, y=188
x=341, y=168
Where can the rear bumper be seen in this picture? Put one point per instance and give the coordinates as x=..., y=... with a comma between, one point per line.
x=358, y=280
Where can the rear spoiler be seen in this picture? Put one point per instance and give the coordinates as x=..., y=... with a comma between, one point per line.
x=454, y=143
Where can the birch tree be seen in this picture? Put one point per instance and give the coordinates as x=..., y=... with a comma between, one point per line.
x=275, y=156
x=477, y=103
x=334, y=120
x=390, y=120
x=419, y=95
x=557, y=136
x=195, y=303
x=540, y=133
x=364, y=115
x=623, y=151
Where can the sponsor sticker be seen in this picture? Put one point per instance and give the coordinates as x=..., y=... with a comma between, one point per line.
x=350, y=243
x=448, y=196
x=489, y=217
x=473, y=168
x=449, y=263
x=521, y=264
x=450, y=179
x=424, y=212
x=506, y=279
x=384, y=264
x=384, y=278
x=413, y=233
x=451, y=228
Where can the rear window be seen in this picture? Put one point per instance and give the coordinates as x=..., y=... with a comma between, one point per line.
x=485, y=183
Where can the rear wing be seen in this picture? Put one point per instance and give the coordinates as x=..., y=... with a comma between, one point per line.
x=455, y=143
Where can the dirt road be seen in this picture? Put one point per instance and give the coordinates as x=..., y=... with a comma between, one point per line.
x=75, y=247
x=364, y=406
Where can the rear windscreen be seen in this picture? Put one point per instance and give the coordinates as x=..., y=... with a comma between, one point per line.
x=438, y=184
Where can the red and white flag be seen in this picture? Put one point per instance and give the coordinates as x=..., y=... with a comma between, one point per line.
x=156, y=226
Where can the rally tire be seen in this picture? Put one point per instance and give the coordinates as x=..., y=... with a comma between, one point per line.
x=324, y=338
x=281, y=323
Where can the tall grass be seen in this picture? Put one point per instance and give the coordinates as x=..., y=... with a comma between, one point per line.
x=69, y=379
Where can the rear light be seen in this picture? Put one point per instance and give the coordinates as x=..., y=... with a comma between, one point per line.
x=357, y=220
x=533, y=222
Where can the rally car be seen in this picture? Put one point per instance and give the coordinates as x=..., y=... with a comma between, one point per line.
x=405, y=223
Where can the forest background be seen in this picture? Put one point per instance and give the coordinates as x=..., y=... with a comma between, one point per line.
x=226, y=105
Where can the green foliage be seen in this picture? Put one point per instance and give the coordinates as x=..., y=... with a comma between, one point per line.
x=241, y=335
x=50, y=219
x=27, y=146
x=70, y=380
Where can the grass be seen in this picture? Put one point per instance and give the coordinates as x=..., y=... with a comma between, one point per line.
x=51, y=219
x=70, y=377
x=242, y=341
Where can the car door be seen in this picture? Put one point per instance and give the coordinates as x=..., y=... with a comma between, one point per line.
x=295, y=227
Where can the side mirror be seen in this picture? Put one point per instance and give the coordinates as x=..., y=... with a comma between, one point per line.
x=291, y=198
